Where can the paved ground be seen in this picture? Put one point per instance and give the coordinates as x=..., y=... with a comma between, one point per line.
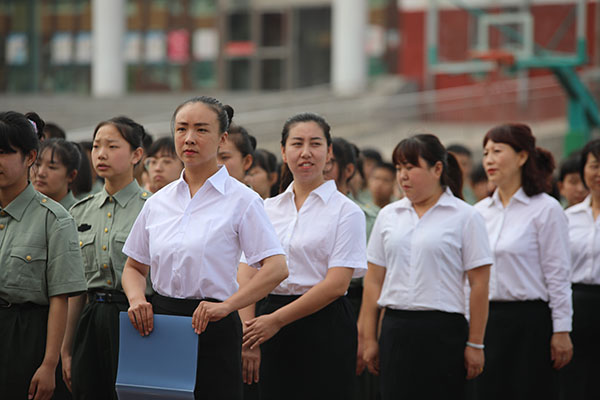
x=378, y=118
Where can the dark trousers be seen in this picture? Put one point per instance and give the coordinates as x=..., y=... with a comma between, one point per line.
x=366, y=385
x=421, y=355
x=517, y=353
x=23, y=329
x=219, y=368
x=580, y=378
x=311, y=358
x=96, y=352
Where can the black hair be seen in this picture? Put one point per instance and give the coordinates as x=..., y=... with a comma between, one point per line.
x=20, y=132
x=569, y=166
x=68, y=153
x=388, y=166
x=164, y=144
x=268, y=161
x=51, y=130
x=286, y=175
x=241, y=139
x=459, y=149
x=130, y=130
x=430, y=149
x=478, y=174
x=86, y=145
x=344, y=154
x=83, y=181
x=147, y=141
x=536, y=173
x=371, y=154
x=592, y=147
x=265, y=160
x=224, y=112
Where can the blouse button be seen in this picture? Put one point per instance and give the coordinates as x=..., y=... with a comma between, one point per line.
x=28, y=258
x=105, y=230
x=80, y=243
x=103, y=247
x=1, y=226
x=109, y=282
x=109, y=215
x=105, y=266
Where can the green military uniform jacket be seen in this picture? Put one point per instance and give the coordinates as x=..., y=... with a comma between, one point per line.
x=39, y=252
x=103, y=223
x=68, y=201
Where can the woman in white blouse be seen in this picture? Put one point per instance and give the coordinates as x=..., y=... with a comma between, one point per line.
x=190, y=237
x=421, y=251
x=306, y=330
x=530, y=292
x=581, y=376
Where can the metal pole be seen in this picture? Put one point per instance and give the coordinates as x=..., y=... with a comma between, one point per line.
x=108, y=64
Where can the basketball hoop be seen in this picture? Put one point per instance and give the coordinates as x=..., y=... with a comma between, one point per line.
x=502, y=58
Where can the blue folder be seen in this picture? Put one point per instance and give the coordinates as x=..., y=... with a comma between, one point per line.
x=161, y=365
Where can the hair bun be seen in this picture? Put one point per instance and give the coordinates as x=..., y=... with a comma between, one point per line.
x=544, y=160
x=252, y=141
x=39, y=123
x=229, y=110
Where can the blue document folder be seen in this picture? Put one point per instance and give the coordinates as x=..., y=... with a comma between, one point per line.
x=161, y=365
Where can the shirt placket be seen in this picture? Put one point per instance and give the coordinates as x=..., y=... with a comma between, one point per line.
x=4, y=217
x=495, y=238
x=412, y=272
x=108, y=218
x=593, y=249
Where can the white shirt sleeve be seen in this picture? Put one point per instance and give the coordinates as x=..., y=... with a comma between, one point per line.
x=375, y=249
x=137, y=243
x=476, y=250
x=258, y=239
x=349, y=249
x=555, y=259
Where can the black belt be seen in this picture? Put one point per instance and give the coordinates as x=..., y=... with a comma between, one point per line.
x=5, y=305
x=179, y=306
x=107, y=296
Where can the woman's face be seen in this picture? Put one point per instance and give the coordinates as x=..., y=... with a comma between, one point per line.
x=502, y=163
x=14, y=168
x=260, y=180
x=112, y=156
x=306, y=152
x=237, y=165
x=50, y=177
x=419, y=182
x=197, y=135
x=591, y=174
x=163, y=168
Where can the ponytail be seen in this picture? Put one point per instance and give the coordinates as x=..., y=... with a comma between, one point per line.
x=286, y=178
x=452, y=176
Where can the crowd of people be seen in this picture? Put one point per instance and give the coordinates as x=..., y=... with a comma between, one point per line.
x=332, y=274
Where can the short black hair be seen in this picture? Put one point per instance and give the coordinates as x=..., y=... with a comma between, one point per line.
x=371, y=154
x=478, y=174
x=592, y=147
x=459, y=149
x=164, y=144
x=569, y=166
x=51, y=130
x=387, y=166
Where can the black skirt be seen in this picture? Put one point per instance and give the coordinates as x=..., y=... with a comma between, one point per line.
x=580, y=378
x=421, y=355
x=23, y=329
x=219, y=368
x=517, y=349
x=313, y=357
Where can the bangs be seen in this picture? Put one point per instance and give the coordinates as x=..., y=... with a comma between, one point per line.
x=6, y=143
x=408, y=151
x=518, y=136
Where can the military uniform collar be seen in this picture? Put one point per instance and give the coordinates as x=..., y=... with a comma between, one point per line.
x=17, y=207
x=122, y=197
